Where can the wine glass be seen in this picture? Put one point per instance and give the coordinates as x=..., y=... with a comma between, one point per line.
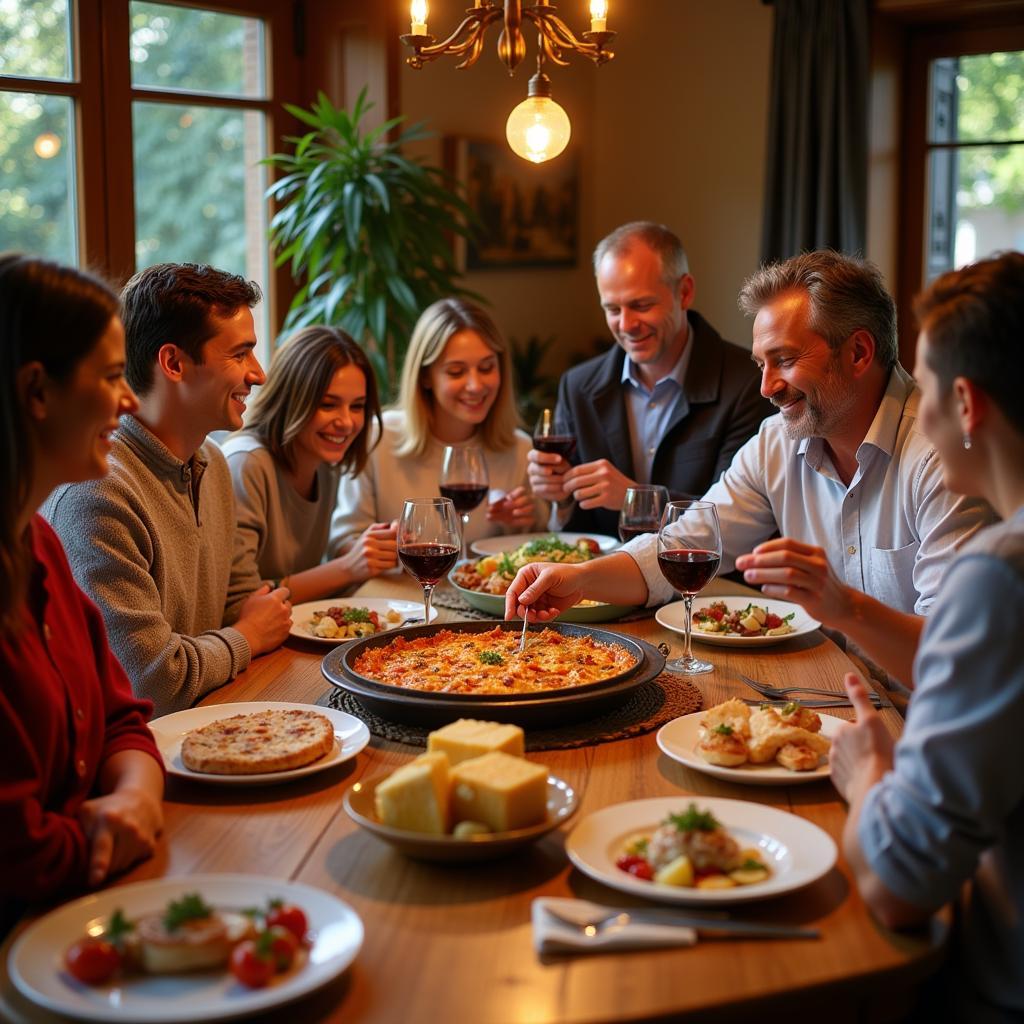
x=464, y=481
x=689, y=553
x=428, y=542
x=551, y=435
x=641, y=510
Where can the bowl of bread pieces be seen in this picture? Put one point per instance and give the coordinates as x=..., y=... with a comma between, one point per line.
x=472, y=796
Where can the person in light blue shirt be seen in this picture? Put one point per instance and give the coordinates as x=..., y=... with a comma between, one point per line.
x=946, y=803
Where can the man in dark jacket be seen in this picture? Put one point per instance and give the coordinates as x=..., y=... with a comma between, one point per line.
x=670, y=405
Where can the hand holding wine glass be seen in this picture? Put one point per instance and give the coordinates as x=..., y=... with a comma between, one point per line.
x=641, y=510
x=689, y=553
x=553, y=446
x=464, y=480
x=428, y=542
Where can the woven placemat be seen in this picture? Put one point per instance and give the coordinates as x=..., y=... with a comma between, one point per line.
x=453, y=601
x=648, y=708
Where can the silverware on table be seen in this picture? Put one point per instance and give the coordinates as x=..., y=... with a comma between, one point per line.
x=768, y=702
x=603, y=919
x=783, y=693
x=522, y=639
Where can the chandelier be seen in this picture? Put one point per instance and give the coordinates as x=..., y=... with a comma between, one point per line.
x=538, y=128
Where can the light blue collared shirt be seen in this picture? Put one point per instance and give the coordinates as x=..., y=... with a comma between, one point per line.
x=650, y=412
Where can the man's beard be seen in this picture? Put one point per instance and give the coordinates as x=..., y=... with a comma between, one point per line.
x=825, y=408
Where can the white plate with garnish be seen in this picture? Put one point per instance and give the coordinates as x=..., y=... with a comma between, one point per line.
x=678, y=739
x=510, y=541
x=36, y=961
x=673, y=616
x=795, y=851
x=400, y=614
x=350, y=736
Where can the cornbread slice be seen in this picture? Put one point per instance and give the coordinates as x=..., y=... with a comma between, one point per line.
x=415, y=796
x=502, y=791
x=468, y=738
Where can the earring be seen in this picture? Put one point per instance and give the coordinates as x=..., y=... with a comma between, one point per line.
x=967, y=442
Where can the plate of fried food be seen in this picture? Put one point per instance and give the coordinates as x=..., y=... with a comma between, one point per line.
x=339, y=620
x=185, y=949
x=767, y=746
x=739, y=621
x=712, y=851
x=256, y=742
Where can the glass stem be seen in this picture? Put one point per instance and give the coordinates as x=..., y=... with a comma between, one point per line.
x=688, y=602
x=428, y=590
x=465, y=527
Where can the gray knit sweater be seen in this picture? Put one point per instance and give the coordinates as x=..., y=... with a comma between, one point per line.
x=168, y=576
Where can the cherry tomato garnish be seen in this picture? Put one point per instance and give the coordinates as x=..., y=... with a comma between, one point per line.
x=592, y=545
x=283, y=945
x=289, y=916
x=639, y=867
x=772, y=621
x=92, y=961
x=251, y=967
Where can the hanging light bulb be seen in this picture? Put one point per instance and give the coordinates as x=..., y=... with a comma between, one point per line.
x=538, y=129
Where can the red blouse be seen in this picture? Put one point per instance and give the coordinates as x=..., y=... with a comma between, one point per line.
x=65, y=706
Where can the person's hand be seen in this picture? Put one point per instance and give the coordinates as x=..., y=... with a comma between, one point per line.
x=122, y=827
x=374, y=551
x=542, y=590
x=597, y=485
x=545, y=471
x=862, y=751
x=265, y=619
x=516, y=508
x=794, y=571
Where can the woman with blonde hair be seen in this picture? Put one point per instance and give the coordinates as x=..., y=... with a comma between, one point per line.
x=456, y=389
x=307, y=429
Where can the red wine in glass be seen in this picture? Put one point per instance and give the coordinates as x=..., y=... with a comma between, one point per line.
x=557, y=444
x=689, y=570
x=465, y=497
x=628, y=532
x=427, y=563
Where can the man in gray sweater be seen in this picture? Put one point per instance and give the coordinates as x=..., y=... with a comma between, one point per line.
x=154, y=543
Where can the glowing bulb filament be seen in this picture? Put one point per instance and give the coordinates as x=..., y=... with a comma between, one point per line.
x=598, y=15
x=418, y=14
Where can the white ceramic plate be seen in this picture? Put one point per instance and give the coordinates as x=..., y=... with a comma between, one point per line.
x=511, y=541
x=679, y=737
x=350, y=736
x=672, y=616
x=302, y=615
x=36, y=961
x=797, y=852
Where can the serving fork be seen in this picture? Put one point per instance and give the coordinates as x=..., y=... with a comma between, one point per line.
x=782, y=693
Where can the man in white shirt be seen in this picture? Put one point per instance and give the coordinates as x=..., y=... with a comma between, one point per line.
x=842, y=474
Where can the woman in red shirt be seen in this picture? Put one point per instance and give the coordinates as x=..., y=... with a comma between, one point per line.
x=81, y=779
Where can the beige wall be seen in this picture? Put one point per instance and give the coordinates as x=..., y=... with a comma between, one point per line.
x=673, y=130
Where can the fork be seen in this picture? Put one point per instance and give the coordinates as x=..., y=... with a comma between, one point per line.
x=780, y=693
x=522, y=639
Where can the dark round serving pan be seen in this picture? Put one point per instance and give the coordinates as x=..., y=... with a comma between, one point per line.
x=535, y=710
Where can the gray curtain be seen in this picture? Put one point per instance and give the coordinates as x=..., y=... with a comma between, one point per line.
x=816, y=189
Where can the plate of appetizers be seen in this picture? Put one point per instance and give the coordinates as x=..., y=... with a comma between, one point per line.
x=339, y=620
x=215, y=761
x=598, y=543
x=183, y=949
x=739, y=621
x=790, y=746
x=704, y=850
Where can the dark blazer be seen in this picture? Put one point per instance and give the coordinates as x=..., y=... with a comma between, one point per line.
x=721, y=408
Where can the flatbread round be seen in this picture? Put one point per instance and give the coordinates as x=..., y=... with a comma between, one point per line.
x=266, y=741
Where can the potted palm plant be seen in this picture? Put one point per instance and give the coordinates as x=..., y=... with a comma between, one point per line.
x=368, y=232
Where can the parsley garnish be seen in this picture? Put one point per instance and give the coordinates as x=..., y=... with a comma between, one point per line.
x=692, y=820
x=190, y=907
x=491, y=658
x=542, y=546
x=356, y=615
x=789, y=617
x=506, y=567
x=723, y=729
x=791, y=708
x=751, y=865
x=118, y=927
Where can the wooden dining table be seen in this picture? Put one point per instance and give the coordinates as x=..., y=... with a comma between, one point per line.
x=453, y=943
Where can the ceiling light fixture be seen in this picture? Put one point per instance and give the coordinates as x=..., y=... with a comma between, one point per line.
x=538, y=128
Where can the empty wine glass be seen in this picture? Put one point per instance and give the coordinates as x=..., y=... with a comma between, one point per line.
x=464, y=480
x=641, y=510
x=428, y=542
x=551, y=435
x=689, y=553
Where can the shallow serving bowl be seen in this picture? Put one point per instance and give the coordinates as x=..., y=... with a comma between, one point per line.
x=534, y=710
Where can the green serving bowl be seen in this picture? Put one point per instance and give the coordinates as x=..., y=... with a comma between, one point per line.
x=494, y=604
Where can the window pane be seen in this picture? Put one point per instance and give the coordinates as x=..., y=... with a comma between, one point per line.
x=37, y=180
x=987, y=98
x=206, y=205
x=35, y=38
x=201, y=51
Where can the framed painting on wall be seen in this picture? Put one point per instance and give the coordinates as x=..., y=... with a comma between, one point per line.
x=529, y=212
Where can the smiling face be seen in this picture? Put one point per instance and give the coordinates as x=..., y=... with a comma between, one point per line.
x=337, y=421
x=800, y=374
x=219, y=386
x=464, y=381
x=646, y=315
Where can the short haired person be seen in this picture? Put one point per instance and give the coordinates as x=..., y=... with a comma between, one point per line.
x=456, y=389
x=81, y=779
x=946, y=804
x=154, y=543
x=669, y=404
x=843, y=473
x=308, y=426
